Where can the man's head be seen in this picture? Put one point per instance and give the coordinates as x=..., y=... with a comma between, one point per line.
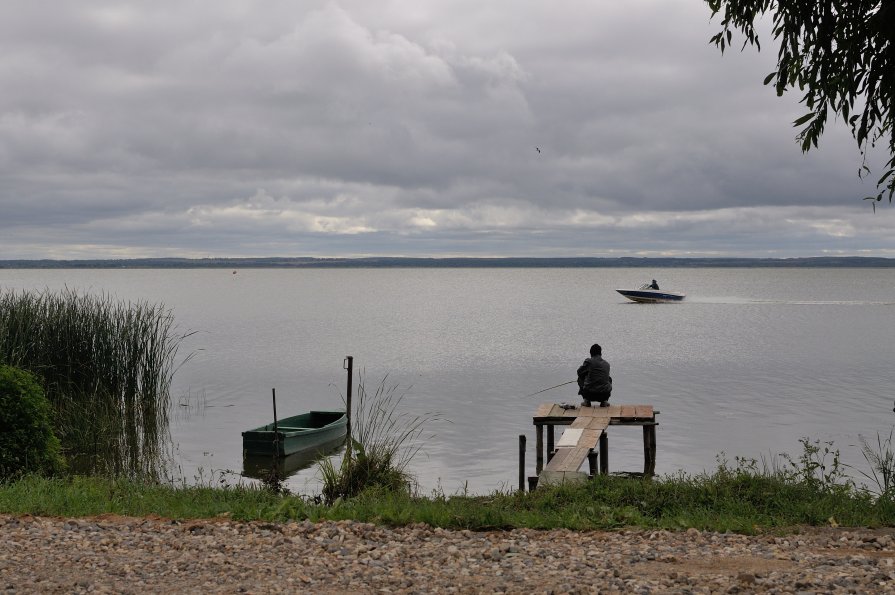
x=595, y=350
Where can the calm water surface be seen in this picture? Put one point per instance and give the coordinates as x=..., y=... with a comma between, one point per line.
x=753, y=360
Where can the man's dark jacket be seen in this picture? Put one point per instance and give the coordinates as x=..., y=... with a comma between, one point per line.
x=594, y=378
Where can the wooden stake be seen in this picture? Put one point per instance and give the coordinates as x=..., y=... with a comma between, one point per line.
x=539, y=448
x=276, y=433
x=348, y=364
x=604, y=454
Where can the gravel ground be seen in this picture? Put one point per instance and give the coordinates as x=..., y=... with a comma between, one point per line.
x=135, y=555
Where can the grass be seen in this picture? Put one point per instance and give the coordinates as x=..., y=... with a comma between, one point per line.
x=729, y=499
x=106, y=368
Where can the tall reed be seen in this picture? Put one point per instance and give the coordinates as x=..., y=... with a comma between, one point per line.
x=384, y=441
x=106, y=368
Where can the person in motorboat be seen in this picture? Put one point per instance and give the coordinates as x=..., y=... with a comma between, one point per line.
x=594, y=381
x=654, y=285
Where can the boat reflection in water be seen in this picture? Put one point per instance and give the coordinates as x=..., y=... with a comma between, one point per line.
x=293, y=443
x=260, y=466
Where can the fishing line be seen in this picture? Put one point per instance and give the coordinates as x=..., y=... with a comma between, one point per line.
x=551, y=388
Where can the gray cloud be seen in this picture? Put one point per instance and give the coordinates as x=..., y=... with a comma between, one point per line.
x=353, y=128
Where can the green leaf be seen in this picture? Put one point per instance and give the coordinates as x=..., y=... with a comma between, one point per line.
x=803, y=119
x=769, y=78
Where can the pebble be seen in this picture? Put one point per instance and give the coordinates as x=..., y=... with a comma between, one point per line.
x=125, y=555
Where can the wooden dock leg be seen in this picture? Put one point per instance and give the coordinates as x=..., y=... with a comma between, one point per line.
x=532, y=483
x=550, y=441
x=592, y=462
x=647, y=450
x=652, y=442
x=521, y=462
x=604, y=454
x=539, y=448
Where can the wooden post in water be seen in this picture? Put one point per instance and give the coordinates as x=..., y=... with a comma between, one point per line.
x=604, y=454
x=348, y=364
x=649, y=442
x=539, y=448
x=521, y=462
x=591, y=463
x=646, y=450
x=276, y=433
x=550, y=441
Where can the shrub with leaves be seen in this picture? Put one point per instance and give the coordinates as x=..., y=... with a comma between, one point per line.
x=27, y=442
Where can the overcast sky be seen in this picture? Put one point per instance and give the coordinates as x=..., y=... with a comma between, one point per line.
x=202, y=128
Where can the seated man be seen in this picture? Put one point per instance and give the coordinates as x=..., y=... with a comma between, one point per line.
x=594, y=381
x=654, y=285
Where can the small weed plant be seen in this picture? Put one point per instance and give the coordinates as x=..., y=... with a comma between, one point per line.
x=819, y=466
x=881, y=460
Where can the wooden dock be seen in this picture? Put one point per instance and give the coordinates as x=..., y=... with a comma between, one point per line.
x=585, y=439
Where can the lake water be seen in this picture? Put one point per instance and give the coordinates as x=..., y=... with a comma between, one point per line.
x=753, y=360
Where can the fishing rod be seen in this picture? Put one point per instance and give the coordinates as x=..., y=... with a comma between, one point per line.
x=551, y=388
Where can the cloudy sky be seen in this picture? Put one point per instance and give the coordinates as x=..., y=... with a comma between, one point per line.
x=408, y=128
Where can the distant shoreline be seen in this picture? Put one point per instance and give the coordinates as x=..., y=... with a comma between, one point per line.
x=410, y=262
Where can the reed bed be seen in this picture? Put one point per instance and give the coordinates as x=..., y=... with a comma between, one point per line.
x=106, y=367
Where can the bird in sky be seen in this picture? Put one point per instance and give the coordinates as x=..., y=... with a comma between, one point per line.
x=538, y=149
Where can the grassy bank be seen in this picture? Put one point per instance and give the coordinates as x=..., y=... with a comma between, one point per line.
x=720, y=502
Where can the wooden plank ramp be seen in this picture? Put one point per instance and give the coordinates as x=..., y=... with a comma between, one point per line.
x=576, y=443
x=582, y=436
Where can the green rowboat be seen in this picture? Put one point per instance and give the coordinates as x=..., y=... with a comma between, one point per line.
x=315, y=431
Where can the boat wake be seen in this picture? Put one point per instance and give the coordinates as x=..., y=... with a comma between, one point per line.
x=740, y=300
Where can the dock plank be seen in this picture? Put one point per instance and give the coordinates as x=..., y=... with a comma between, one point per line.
x=571, y=461
x=572, y=450
x=598, y=423
x=644, y=411
x=627, y=412
x=544, y=409
x=589, y=439
x=582, y=422
x=558, y=458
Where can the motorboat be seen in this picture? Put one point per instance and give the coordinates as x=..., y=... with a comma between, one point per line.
x=649, y=295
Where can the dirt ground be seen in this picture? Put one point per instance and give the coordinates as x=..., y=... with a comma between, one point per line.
x=134, y=555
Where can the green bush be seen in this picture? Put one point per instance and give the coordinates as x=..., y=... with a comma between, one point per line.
x=27, y=442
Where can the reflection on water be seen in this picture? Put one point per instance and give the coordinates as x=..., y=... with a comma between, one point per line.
x=193, y=404
x=260, y=467
x=704, y=299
